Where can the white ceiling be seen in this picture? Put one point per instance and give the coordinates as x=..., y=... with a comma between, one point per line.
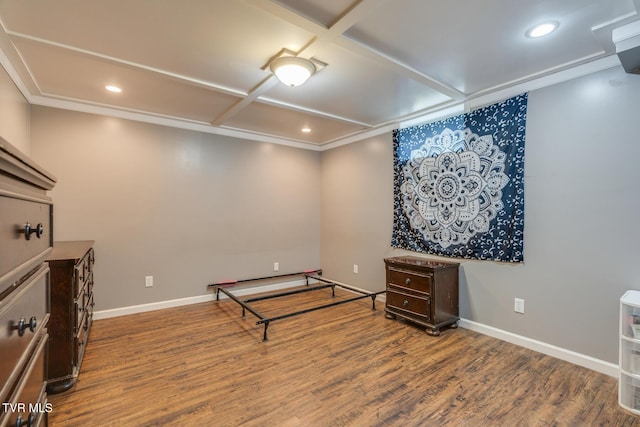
x=204, y=63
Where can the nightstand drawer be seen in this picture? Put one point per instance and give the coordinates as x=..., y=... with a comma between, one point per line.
x=409, y=280
x=416, y=306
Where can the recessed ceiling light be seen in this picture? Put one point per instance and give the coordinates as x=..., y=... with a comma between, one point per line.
x=542, y=29
x=306, y=129
x=113, y=88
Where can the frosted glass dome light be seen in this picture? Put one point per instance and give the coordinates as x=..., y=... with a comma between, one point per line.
x=292, y=71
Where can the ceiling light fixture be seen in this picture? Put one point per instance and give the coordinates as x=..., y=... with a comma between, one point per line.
x=306, y=129
x=542, y=29
x=113, y=88
x=292, y=70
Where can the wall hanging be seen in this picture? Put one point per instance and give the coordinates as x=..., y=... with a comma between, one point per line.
x=459, y=184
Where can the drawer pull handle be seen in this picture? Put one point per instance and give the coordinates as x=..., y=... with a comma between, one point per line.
x=29, y=230
x=407, y=282
x=30, y=421
x=23, y=325
x=405, y=303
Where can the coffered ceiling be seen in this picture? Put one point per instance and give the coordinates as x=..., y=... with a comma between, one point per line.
x=203, y=64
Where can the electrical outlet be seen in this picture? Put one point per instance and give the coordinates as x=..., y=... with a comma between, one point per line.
x=355, y=268
x=518, y=305
x=276, y=266
x=148, y=281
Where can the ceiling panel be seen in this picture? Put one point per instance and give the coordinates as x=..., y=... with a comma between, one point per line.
x=65, y=74
x=287, y=123
x=388, y=61
x=324, y=12
x=359, y=89
x=220, y=41
x=474, y=45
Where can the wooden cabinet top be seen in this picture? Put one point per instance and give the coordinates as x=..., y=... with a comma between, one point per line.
x=420, y=263
x=70, y=250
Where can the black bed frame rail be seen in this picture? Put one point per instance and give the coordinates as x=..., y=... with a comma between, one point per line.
x=255, y=279
x=309, y=274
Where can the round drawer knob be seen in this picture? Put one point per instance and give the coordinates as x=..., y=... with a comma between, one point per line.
x=405, y=303
x=24, y=423
x=407, y=282
x=23, y=325
x=29, y=230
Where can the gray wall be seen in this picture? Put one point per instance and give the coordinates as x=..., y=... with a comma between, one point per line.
x=185, y=207
x=582, y=201
x=190, y=208
x=357, y=211
x=15, y=114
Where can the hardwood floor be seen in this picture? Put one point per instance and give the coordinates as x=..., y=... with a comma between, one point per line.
x=205, y=365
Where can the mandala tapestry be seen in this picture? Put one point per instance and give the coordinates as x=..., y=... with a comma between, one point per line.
x=459, y=184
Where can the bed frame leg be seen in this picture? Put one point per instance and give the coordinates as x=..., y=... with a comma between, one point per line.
x=243, y=312
x=217, y=294
x=333, y=290
x=264, y=338
x=373, y=302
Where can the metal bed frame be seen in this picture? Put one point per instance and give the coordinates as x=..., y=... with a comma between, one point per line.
x=308, y=274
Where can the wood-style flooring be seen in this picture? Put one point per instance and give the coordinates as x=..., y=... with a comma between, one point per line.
x=205, y=365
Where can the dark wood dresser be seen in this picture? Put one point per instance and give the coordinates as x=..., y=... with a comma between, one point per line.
x=423, y=291
x=71, y=265
x=26, y=236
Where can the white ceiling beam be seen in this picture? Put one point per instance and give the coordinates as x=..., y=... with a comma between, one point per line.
x=334, y=34
x=324, y=36
x=355, y=13
x=260, y=89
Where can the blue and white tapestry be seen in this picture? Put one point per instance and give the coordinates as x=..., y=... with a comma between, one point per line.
x=459, y=184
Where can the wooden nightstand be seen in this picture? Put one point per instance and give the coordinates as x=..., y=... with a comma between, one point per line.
x=423, y=291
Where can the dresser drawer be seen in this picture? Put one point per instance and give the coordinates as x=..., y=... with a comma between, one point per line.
x=417, y=306
x=80, y=305
x=89, y=308
x=23, y=315
x=410, y=280
x=16, y=250
x=83, y=311
x=28, y=403
x=84, y=271
x=81, y=339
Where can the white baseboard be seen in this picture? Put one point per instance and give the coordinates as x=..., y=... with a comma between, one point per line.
x=542, y=347
x=539, y=346
x=123, y=311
